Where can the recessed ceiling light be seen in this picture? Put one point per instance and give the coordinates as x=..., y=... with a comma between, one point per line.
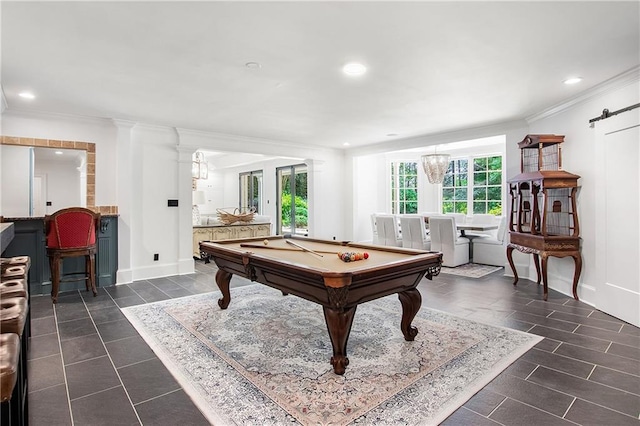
x=354, y=68
x=58, y=152
x=346, y=144
x=573, y=80
x=27, y=95
x=253, y=65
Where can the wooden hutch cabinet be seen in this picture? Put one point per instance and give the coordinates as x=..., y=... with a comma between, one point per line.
x=543, y=216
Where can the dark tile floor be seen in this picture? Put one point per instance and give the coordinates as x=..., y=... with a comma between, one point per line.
x=89, y=366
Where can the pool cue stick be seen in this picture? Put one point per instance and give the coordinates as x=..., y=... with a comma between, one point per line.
x=303, y=248
x=281, y=248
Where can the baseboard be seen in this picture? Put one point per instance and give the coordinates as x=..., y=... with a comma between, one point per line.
x=186, y=266
x=155, y=271
x=124, y=276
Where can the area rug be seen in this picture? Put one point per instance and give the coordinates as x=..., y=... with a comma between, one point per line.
x=265, y=359
x=471, y=270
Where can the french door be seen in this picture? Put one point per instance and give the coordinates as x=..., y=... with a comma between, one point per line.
x=292, y=200
x=251, y=191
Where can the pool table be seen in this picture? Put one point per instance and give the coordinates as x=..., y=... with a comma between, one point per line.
x=318, y=275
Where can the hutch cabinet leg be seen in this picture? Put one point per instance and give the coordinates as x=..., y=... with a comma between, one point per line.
x=576, y=274
x=536, y=260
x=545, y=259
x=513, y=267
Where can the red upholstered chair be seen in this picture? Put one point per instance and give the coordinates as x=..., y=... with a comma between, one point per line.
x=72, y=232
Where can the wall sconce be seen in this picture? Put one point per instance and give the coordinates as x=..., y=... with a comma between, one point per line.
x=435, y=166
x=199, y=166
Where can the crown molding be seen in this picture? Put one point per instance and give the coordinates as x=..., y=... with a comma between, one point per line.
x=615, y=83
x=439, y=138
x=60, y=116
x=230, y=142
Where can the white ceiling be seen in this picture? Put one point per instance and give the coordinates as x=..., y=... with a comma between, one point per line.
x=432, y=66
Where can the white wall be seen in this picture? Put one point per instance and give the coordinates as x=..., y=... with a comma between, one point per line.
x=578, y=156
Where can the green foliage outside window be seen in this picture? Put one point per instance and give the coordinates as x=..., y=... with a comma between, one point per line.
x=404, y=187
x=301, y=211
x=485, y=188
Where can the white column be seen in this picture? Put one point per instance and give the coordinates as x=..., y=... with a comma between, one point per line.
x=128, y=184
x=185, y=196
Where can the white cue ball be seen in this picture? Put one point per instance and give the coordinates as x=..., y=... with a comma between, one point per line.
x=266, y=242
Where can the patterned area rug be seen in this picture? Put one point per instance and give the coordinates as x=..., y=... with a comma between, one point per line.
x=265, y=360
x=471, y=270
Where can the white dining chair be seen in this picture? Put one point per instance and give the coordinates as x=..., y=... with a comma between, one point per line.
x=492, y=250
x=414, y=232
x=444, y=238
x=460, y=218
x=388, y=230
x=374, y=229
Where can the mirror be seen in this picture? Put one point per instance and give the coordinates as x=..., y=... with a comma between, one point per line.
x=41, y=176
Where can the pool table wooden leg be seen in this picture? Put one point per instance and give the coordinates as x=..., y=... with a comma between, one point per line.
x=222, y=279
x=339, y=326
x=411, y=301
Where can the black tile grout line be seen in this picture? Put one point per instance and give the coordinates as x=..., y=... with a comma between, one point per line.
x=97, y=393
x=45, y=388
x=111, y=361
x=575, y=398
x=64, y=369
x=85, y=360
x=591, y=372
x=504, y=398
x=44, y=357
x=164, y=394
x=529, y=405
x=140, y=362
x=577, y=377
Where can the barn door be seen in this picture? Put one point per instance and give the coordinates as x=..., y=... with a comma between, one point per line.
x=618, y=216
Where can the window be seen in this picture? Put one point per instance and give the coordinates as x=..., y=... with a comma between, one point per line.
x=487, y=185
x=251, y=191
x=479, y=188
x=454, y=187
x=404, y=187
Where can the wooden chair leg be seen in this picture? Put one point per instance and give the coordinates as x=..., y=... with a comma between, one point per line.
x=54, y=264
x=92, y=273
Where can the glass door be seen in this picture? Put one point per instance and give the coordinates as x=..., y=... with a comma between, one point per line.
x=251, y=191
x=292, y=200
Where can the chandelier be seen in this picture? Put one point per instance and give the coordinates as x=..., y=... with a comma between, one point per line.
x=435, y=166
x=199, y=166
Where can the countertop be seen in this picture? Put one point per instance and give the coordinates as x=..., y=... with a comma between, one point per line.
x=6, y=235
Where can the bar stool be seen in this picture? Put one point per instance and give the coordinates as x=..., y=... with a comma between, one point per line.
x=72, y=232
x=15, y=277
x=11, y=386
x=13, y=319
x=14, y=288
